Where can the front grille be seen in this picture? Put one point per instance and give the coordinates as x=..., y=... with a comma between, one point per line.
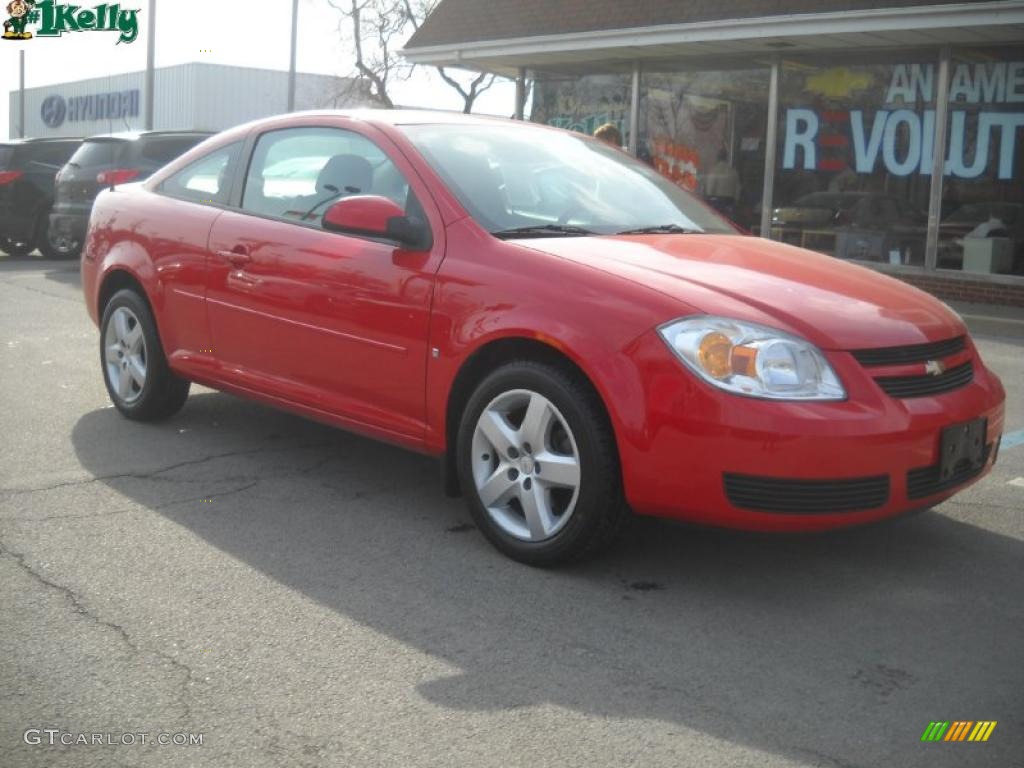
x=927, y=384
x=915, y=353
x=806, y=497
x=927, y=481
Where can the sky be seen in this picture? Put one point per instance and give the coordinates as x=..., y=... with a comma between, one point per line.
x=253, y=33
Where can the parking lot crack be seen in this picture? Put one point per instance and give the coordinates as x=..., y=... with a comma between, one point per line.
x=156, y=473
x=77, y=606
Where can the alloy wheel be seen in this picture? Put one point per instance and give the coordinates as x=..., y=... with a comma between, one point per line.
x=526, y=465
x=124, y=353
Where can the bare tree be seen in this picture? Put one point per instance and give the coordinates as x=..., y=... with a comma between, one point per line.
x=378, y=27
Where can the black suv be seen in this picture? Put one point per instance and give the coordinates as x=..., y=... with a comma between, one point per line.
x=27, y=170
x=103, y=161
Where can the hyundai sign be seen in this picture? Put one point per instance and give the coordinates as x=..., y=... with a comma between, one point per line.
x=115, y=105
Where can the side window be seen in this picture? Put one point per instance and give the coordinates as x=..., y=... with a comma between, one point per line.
x=207, y=180
x=296, y=174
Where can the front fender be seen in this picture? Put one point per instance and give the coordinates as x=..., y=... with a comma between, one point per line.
x=488, y=291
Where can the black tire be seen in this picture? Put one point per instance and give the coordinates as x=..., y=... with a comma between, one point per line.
x=42, y=238
x=163, y=393
x=15, y=247
x=600, y=511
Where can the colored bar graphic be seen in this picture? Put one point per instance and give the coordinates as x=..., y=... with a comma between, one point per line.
x=958, y=730
x=982, y=730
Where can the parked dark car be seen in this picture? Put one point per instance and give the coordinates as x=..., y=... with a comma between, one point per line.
x=853, y=225
x=103, y=161
x=27, y=171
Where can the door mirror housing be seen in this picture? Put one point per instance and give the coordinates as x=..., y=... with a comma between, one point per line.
x=375, y=216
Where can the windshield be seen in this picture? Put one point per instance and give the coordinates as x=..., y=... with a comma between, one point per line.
x=520, y=177
x=94, y=154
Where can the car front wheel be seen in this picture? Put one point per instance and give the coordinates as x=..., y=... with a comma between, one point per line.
x=138, y=379
x=538, y=465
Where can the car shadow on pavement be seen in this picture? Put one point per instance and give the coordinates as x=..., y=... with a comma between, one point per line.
x=845, y=645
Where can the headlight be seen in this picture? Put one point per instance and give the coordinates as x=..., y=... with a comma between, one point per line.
x=752, y=360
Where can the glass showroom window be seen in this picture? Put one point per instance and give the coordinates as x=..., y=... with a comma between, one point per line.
x=982, y=229
x=855, y=155
x=584, y=103
x=706, y=131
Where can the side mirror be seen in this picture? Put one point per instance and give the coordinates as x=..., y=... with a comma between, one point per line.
x=374, y=216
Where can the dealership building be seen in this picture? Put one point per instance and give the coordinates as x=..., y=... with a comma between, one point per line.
x=196, y=96
x=825, y=116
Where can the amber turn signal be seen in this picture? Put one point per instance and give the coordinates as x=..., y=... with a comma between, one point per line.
x=714, y=355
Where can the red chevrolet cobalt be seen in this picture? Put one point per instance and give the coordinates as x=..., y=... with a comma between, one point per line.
x=572, y=334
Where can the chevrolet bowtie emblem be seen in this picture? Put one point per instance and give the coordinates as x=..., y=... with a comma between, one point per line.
x=934, y=368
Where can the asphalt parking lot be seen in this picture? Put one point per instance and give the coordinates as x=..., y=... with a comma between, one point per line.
x=303, y=597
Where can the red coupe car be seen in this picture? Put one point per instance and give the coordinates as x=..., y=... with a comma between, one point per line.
x=570, y=333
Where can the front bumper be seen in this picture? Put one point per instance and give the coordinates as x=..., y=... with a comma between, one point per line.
x=696, y=438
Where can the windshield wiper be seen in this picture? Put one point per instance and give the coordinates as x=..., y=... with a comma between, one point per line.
x=660, y=229
x=543, y=230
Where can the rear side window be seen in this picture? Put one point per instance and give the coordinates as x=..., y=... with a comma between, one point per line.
x=96, y=154
x=163, y=150
x=51, y=156
x=207, y=180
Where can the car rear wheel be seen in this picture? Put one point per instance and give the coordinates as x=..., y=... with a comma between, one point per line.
x=538, y=465
x=139, y=382
x=15, y=247
x=43, y=241
x=56, y=243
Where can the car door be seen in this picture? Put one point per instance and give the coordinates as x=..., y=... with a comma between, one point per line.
x=333, y=322
x=176, y=226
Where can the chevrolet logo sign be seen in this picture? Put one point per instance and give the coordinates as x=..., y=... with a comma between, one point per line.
x=934, y=368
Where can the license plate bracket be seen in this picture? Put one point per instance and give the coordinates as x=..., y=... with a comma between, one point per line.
x=962, y=446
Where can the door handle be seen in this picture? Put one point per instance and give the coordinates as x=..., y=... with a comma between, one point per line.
x=238, y=256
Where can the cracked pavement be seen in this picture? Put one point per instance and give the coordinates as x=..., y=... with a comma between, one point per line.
x=305, y=597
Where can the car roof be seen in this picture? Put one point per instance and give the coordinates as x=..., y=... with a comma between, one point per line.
x=136, y=135
x=29, y=142
x=405, y=116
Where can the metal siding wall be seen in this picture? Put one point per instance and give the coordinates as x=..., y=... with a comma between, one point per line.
x=175, y=104
x=328, y=92
x=197, y=95
x=229, y=96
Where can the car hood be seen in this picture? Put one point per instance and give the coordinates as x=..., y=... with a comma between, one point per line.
x=832, y=303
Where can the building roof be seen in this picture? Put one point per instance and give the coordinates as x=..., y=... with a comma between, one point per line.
x=464, y=21
x=578, y=36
